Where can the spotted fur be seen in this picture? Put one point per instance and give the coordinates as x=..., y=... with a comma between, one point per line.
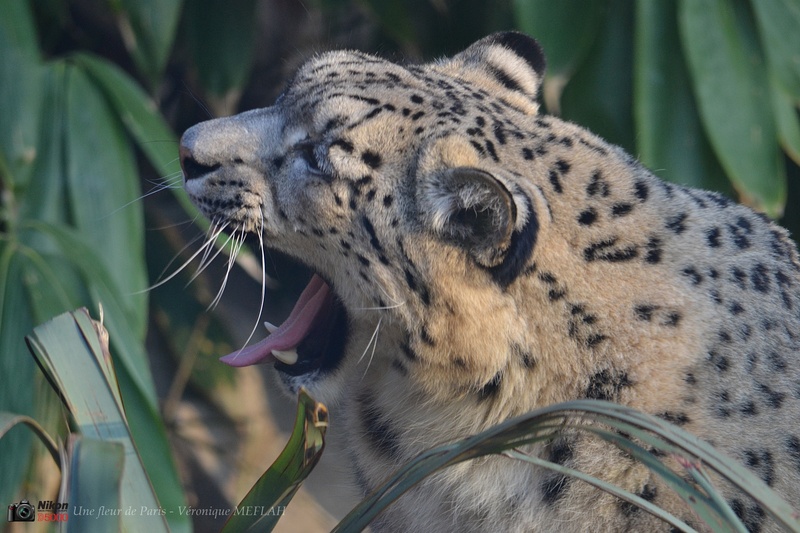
x=509, y=260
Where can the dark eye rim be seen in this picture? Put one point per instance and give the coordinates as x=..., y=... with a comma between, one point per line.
x=307, y=150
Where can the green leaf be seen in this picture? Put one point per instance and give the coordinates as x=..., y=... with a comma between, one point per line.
x=17, y=25
x=20, y=100
x=72, y=351
x=779, y=29
x=221, y=38
x=10, y=420
x=593, y=98
x=733, y=94
x=103, y=189
x=16, y=368
x=133, y=372
x=275, y=488
x=787, y=119
x=143, y=122
x=44, y=197
x=669, y=136
x=95, y=475
x=549, y=22
x=610, y=422
x=148, y=29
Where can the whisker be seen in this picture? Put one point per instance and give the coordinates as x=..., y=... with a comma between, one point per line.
x=374, y=341
x=263, y=281
x=236, y=246
x=184, y=265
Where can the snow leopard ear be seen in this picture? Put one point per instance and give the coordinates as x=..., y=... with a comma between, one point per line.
x=510, y=59
x=470, y=208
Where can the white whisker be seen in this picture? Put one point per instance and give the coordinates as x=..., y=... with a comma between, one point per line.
x=263, y=280
x=374, y=342
x=184, y=265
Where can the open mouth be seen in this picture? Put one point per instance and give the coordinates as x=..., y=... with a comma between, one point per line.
x=311, y=338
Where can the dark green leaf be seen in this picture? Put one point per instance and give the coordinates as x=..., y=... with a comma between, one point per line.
x=669, y=137
x=148, y=28
x=788, y=121
x=276, y=487
x=599, y=101
x=18, y=27
x=733, y=94
x=220, y=38
x=549, y=22
x=779, y=29
x=103, y=189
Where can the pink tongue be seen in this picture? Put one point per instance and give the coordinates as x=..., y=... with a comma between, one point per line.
x=290, y=333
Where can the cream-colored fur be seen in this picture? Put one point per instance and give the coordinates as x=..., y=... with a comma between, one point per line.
x=500, y=261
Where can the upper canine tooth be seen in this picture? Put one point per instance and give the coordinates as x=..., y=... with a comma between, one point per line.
x=270, y=327
x=286, y=356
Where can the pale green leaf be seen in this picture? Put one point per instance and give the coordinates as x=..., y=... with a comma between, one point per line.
x=95, y=473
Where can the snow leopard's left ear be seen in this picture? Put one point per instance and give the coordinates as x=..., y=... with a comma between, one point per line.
x=509, y=61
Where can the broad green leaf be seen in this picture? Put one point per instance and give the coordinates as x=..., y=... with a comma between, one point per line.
x=148, y=29
x=16, y=367
x=10, y=420
x=220, y=39
x=599, y=101
x=733, y=94
x=20, y=100
x=263, y=506
x=76, y=361
x=549, y=22
x=143, y=121
x=669, y=137
x=95, y=473
x=44, y=198
x=779, y=30
x=103, y=188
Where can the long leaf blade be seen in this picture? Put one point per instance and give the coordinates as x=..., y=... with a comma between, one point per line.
x=276, y=487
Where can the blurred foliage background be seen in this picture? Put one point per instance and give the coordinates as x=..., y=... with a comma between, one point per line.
x=93, y=94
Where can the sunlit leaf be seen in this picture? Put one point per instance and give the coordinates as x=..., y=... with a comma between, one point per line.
x=275, y=488
x=733, y=96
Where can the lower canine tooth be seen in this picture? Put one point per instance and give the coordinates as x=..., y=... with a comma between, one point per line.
x=270, y=327
x=286, y=356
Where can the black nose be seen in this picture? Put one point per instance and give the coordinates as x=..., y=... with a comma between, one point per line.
x=193, y=169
